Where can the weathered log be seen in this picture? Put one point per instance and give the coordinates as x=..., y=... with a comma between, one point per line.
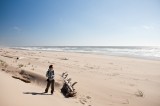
x=67, y=88
x=68, y=84
x=65, y=76
x=69, y=80
x=74, y=83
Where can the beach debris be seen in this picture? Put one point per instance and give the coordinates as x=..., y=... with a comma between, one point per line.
x=68, y=87
x=22, y=79
x=64, y=58
x=126, y=102
x=139, y=93
x=3, y=69
x=3, y=64
x=7, y=56
x=20, y=65
x=10, y=56
x=88, y=97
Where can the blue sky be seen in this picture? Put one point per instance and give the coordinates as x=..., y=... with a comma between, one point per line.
x=80, y=22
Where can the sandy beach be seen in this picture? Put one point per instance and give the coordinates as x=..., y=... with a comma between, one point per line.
x=102, y=80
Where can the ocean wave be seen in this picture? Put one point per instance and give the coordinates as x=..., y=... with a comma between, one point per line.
x=134, y=51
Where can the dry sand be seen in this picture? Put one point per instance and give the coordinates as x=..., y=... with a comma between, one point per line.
x=102, y=80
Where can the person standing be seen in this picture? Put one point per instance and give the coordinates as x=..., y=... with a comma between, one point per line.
x=50, y=79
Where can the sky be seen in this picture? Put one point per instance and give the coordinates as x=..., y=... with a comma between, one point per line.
x=80, y=22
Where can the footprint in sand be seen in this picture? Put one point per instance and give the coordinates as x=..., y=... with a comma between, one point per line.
x=84, y=100
x=132, y=85
x=88, y=97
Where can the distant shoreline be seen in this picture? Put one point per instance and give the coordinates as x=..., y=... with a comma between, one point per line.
x=140, y=52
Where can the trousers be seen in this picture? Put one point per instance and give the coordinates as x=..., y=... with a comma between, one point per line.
x=50, y=82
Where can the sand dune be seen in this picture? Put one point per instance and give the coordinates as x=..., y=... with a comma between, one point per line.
x=18, y=93
x=102, y=80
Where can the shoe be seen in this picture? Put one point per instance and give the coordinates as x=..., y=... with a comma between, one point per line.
x=45, y=92
x=52, y=92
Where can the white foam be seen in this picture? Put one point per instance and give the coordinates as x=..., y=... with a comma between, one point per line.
x=151, y=52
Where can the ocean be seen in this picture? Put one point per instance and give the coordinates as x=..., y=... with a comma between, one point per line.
x=147, y=52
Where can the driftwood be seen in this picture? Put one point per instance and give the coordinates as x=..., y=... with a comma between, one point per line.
x=68, y=88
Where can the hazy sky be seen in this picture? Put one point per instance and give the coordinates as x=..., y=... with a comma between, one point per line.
x=80, y=22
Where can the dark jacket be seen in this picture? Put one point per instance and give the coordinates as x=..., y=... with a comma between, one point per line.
x=50, y=74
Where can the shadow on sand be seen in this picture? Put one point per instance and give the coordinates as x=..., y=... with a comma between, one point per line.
x=36, y=93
